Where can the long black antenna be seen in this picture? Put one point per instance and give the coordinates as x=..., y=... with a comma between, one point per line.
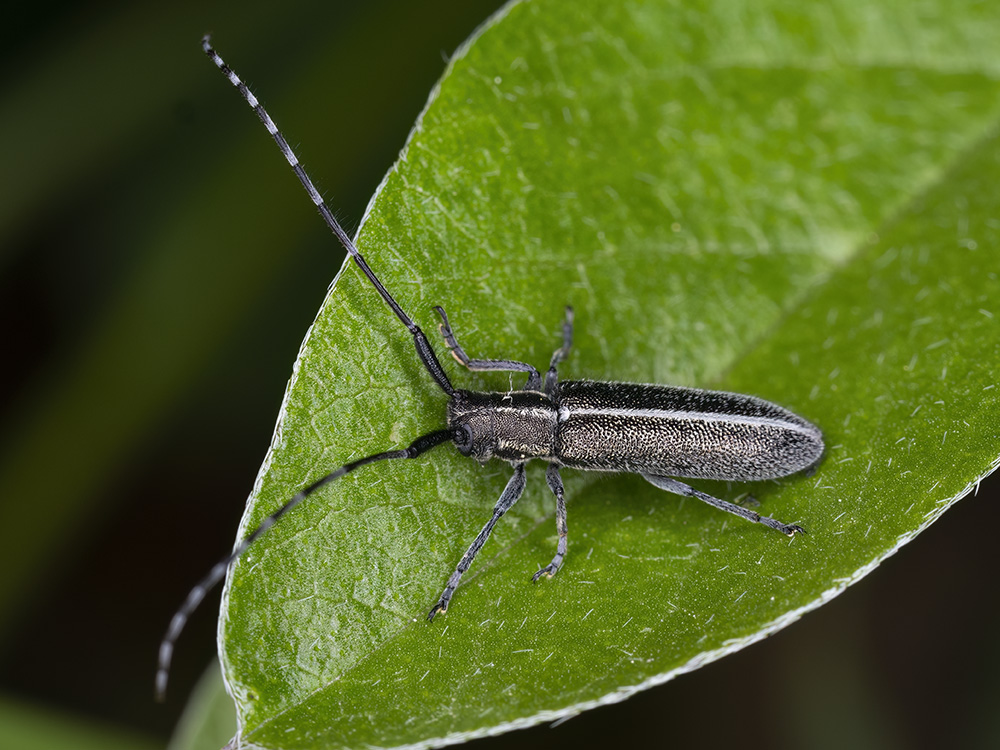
x=416, y=448
x=424, y=350
x=421, y=445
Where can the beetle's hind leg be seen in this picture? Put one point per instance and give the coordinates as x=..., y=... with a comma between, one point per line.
x=485, y=365
x=556, y=485
x=560, y=354
x=679, y=488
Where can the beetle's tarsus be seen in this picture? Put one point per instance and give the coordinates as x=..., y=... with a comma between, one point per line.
x=436, y=610
x=548, y=571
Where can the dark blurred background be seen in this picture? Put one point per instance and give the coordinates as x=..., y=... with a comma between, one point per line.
x=159, y=266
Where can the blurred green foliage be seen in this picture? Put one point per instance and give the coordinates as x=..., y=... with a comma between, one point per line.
x=160, y=266
x=27, y=727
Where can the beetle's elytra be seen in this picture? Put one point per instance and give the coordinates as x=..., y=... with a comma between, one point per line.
x=660, y=432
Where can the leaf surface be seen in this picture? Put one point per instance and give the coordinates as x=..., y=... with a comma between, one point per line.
x=795, y=202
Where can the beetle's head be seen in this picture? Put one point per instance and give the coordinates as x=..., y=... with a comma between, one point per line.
x=471, y=419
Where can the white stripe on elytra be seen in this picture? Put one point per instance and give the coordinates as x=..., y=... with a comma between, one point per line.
x=566, y=412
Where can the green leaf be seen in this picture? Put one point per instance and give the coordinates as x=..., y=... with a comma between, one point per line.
x=793, y=201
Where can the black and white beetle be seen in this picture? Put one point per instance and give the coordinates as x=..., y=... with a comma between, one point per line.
x=656, y=431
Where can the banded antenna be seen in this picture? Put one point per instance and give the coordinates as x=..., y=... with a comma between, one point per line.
x=424, y=352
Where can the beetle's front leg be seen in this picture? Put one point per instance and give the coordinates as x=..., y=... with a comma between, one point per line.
x=511, y=493
x=485, y=365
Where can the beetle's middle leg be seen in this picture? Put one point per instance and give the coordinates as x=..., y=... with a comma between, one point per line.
x=556, y=485
x=485, y=365
x=561, y=353
x=510, y=495
x=679, y=488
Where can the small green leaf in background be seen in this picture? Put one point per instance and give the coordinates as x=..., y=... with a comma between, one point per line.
x=793, y=201
x=29, y=727
x=209, y=720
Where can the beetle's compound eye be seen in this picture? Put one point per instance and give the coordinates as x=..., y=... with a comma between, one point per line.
x=462, y=435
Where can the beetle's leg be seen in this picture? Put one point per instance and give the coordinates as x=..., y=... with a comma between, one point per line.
x=556, y=485
x=561, y=353
x=510, y=495
x=747, y=500
x=485, y=365
x=679, y=488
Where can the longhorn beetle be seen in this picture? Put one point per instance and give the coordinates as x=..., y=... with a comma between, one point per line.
x=656, y=431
